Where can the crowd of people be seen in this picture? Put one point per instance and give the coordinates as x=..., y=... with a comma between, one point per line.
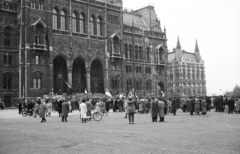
x=157, y=106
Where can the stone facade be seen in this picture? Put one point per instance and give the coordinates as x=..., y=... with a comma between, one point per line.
x=90, y=45
x=186, y=72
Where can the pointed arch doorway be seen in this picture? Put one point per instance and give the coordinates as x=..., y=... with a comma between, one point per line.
x=79, y=76
x=97, y=84
x=60, y=75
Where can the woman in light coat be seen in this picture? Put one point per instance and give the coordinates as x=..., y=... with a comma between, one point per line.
x=49, y=108
x=83, y=111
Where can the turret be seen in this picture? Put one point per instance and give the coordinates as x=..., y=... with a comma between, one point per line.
x=178, y=44
x=178, y=50
x=197, y=53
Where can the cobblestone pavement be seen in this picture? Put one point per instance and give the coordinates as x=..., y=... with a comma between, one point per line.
x=214, y=133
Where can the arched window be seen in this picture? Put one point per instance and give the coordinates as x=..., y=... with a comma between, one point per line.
x=189, y=76
x=7, y=81
x=39, y=34
x=116, y=45
x=184, y=74
x=148, y=54
x=92, y=25
x=7, y=34
x=37, y=80
x=129, y=84
x=140, y=53
x=82, y=23
x=41, y=5
x=130, y=52
x=126, y=51
x=55, y=19
x=74, y=22
x=139, y=84
x=161, y=54
x=63, y=20
x=33, y=4
x=148, y=85
x=99, y=27
x=193, y=75
x=115, y=83
x=136, y=52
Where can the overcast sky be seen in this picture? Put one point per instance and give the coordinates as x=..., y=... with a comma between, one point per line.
x=216, y=26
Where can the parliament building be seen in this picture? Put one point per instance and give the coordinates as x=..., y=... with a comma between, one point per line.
x=94, y=45
x=186, y=72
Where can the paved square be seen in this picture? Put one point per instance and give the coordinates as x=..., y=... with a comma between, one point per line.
x=214, y=133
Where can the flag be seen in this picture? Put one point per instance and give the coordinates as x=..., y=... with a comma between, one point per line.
x=130, y=94
x=47, y=40
x=162, y=93
x=107, y=93
x=69, y=86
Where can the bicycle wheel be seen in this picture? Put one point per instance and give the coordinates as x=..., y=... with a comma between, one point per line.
x=24, y=114
x=97, y=116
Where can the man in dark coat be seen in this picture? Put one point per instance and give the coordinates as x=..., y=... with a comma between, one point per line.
x=108, y=103
x=120, y=105
x=231, y=103
x=115, y=106
x=209, y=102
x=60, y=107
x=165, y=107
x=191, y=105
x=154, y=110
x=174, y=106
x=220, y=103
x=65, y=110
x=19, y=106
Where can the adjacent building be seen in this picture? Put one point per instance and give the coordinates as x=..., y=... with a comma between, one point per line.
x=93, y=45
x=186, y=72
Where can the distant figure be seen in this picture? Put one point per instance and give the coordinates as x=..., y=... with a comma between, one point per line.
x=204, y=106
x=42, y=111
x=197, y=106
x=131, y=110
x=83, y=111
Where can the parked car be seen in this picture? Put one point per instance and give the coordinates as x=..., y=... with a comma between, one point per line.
x=2, y=105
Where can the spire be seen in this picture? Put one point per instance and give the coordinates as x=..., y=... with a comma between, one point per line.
x=178, y=44
x=196, y=47
x=165, y=29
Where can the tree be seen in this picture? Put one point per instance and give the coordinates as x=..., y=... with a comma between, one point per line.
x=236, y=91
x=228, y=93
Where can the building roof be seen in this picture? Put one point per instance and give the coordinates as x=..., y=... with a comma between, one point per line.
x=186, y=56
x=129, y=19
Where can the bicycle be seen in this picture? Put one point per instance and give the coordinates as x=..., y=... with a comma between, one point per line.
x=97, y=116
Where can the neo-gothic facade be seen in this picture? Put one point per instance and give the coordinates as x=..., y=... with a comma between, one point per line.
x=88, y=44
x=186, y=72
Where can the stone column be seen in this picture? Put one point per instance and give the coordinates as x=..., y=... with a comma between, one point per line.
x=69, y=69
x=88, y=71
